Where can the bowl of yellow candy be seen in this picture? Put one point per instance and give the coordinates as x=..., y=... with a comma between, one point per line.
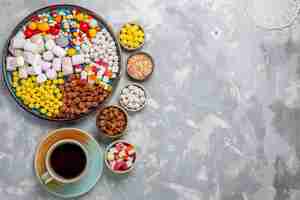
x=131, y=36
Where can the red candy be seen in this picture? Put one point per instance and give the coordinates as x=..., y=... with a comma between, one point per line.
x=54, y=13
x=54, y=31
x=121, y=165
x=28, y=33
x=84, y=26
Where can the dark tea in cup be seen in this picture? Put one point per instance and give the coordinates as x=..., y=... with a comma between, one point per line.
x=68, y=160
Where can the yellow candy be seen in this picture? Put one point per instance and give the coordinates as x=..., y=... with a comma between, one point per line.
x=33, y=78
x=43, y=110
x=56, y=91
x=61, y=81
x=60, y=74
x=71, y=52
x=18, y=94
x=32, y=26
x=79, y=16
x=48, y=82
x=75, y=34
x=43, y=27
x=59, y=95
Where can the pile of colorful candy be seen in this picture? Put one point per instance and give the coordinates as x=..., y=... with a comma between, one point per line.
x=131, y=36
x=58, y=43
x=120, y=156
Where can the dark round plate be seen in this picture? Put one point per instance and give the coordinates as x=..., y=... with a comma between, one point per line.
x=7, y=76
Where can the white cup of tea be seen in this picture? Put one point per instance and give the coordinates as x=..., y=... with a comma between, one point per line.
x=66, y=162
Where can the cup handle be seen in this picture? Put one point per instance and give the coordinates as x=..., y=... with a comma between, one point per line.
x=46, y=178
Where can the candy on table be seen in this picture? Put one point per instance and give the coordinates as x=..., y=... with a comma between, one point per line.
x=56, y=64
x=92, y=79
x=37, y=69
x=32, y=59
x=14, y=62
x=58, y=51
x=16, y=52
x=43, y=27
x=50, y=44
x=92, y=33
x=71, y=52
x=67, y=66
x=78, y=59
x=62, y=41
x=18, y=41
x=78, y=68
x=59, y=33
x=39, y=41
x=41, y=78
x=84, y=26
x=30, y=46
x=23, y=72
x=45, y=65
x=51, y=74
x=48, y=55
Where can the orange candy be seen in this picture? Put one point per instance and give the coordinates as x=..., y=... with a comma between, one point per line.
x=43, y=27
x=58, y=18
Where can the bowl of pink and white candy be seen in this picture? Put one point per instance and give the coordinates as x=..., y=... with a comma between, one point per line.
x=120, y=157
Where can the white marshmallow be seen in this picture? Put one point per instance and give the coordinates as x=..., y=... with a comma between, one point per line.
x=37, y=69
x=78, y=59
x=51, y=74
x=30, y=70
x=67, y=67
x=20, y=61
x=32, y=59
x=50, y=44
x=38, y=40
x=11, y=63
x=56, y=64
x=58, y=51
x=18, y=42
x=48, y=55
x=23, y=72
x=30, y=46
x=115, y=68
x=41, y=78
x=46, y=65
